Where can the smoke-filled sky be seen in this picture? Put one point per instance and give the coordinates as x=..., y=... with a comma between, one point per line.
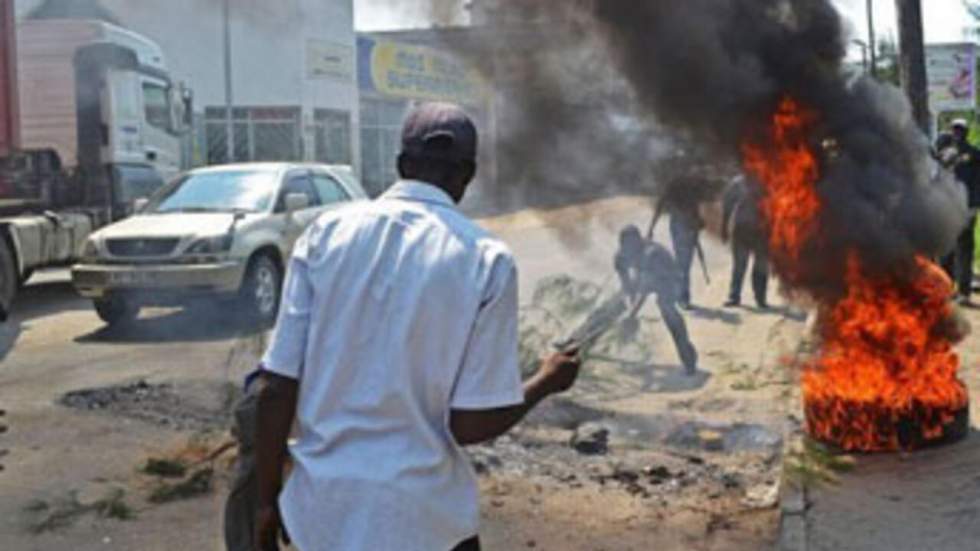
x=945, y=20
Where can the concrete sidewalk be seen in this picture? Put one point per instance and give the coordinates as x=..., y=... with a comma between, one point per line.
x=923, y=501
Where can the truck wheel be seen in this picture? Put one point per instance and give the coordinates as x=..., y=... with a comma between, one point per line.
x=8, y=279
x=115, y=310
x=259, y=295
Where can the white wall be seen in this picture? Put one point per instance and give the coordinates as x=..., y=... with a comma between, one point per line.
x=269, y=46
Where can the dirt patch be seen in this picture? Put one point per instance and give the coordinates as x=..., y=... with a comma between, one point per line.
x=192, y=407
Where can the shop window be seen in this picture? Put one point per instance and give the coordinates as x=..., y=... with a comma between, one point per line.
x=260, y=134
x=332, y=136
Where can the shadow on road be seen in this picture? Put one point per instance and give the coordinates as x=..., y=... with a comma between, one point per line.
x=714, y=314
x=212, y=323
x=35, y=301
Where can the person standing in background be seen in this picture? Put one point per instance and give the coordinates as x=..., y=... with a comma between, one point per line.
x=966, y=167
x=681, y=200
x=742, y=225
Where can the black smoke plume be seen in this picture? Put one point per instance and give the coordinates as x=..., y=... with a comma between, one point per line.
x=630, y=95
x=715, y=70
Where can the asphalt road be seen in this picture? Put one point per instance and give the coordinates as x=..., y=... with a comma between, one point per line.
x=54, y=343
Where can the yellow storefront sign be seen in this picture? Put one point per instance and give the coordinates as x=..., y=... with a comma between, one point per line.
x=416, y=72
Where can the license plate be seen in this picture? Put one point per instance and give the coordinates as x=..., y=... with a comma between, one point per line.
x=131, y=278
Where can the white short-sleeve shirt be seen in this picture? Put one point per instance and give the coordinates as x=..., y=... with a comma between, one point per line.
x=394, y=312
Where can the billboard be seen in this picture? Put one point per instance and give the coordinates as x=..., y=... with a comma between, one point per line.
x=411, y=72
x=951, y=70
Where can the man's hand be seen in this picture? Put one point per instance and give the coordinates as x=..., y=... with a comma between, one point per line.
x=268, y=527
x=558, y=372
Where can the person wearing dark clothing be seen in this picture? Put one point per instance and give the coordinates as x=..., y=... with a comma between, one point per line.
x=243, y=500
x=966, y=167
x=685, y=226
x=742, y=224
x=646, y=268
x=681, y=200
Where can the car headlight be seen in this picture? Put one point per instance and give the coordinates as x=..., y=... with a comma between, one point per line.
x=211, y=245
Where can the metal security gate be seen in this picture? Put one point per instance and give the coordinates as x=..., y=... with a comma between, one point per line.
x=260, y=134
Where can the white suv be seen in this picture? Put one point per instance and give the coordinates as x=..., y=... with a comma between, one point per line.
x=222, y=232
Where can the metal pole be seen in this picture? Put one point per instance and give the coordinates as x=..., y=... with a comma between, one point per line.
x=229, y=98
x=912, y=60
x=871, y=39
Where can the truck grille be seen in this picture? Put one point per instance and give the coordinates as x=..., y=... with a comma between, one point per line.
x=141, y=247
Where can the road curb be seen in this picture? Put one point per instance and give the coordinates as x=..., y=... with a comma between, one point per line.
x=792, y=519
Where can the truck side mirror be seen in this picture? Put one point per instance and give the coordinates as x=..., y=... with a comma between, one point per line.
x=187, y=96
x=296, y=201
x=140, y=204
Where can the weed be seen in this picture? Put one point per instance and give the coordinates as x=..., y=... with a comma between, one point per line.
x=65, y=511
x=816, y=464
x=199, y=483
x=168, y=468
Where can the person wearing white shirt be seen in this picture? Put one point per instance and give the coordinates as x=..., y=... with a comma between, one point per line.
x=396, y=344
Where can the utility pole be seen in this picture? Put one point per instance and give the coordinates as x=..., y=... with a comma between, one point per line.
x=229, y=98
x=872, y=44
x=912, y=60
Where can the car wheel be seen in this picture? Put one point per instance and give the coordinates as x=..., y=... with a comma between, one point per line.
x=116, y=310
x=261, y=290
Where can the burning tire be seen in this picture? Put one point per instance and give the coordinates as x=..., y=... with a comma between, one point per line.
x=116, y=310
x=261, y=289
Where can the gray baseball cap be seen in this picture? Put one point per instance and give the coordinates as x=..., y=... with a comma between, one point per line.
x=439, y=131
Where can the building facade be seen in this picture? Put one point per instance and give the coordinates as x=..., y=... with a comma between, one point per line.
x=293, y=72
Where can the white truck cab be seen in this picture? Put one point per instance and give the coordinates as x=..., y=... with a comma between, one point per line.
x=100, y=125
x=101, y=98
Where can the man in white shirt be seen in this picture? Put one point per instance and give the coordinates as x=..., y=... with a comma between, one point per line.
x=396, y=344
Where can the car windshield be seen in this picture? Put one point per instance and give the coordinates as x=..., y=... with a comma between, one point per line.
x=221, y=191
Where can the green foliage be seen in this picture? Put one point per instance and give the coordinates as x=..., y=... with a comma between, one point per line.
x=814, y=464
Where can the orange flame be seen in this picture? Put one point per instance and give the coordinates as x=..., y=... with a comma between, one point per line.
x=884, y=361
x=788, y=169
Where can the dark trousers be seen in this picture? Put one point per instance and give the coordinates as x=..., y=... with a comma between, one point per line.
x=243, y=500
x=741, y=253
x=472, y=544
x=684, y=238
x=959, y=263
x=678, y=332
